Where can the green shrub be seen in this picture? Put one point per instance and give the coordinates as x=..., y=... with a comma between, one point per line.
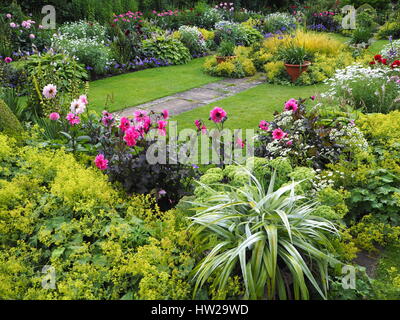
x=239, y=34
x=238, y=67
x=389, y=29
x=278, y=22
x=361, y=35
x=66, y=73
x=9, y=123
x=166, y=49
x=193, y=39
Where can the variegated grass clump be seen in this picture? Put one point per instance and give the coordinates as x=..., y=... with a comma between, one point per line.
x=269, y=236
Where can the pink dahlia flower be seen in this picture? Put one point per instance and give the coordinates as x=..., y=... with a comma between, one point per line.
x=101, y=162
x=131, y=136
x=165, y=114
x=83, y=99
x=77, y=107
x=264, y=125
x=218, y=115
x=162, y=128
x=140, y=115
x=124, y=124
x=291, y=105
x=278, y=134
x=50, y=91
x=73, y=119
x=54, y=116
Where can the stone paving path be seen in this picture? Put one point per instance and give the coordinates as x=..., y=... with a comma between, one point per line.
x=197, y=97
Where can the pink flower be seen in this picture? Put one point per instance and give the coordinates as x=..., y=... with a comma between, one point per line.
x=131, y=136
x=41, y=27
x=140, y=115
x=291, y=105
x=107, y=118
x=197, y=123
x=124, y=124
x=313, y=98
x=50, y=91
x=218, y=115
x=240, y=143
x=8, y=60
x=278, y=134
x=203, y=129
x=83, y=99
x=101, y=162
x=264, y=125
x=165, y=114
x=54, y=116
x=289, y=143
x=73, y=119
x=8, y=16
x=26, y=24
x=162, y=127
x=32, y=36
x=77, y=107
x=13, y=25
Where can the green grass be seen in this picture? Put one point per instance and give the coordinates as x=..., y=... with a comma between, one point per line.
x=131, y=89
x=374, y=49
x=246, y=109
x=377, y=46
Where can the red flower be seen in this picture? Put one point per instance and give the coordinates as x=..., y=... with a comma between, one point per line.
x=378, y=57
x=384, y=61
x=372, y=63
x=395, y=64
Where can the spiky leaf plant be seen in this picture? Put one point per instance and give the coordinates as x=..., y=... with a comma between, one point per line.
x=270, y=238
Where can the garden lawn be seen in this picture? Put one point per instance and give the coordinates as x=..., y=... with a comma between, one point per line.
x=374, y=49
x=131, y=89
x=246, y=109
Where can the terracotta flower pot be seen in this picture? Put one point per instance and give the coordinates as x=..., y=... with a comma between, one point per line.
x=221, y=59
x=295, y=70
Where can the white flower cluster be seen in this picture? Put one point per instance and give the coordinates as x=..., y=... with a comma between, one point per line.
x=352, y=74
x=210, y=17
x=195, y=35
x=223, y=25
x=85, y=42
x=82, y=29
x=279, y=20
x=321, y=181
x=351, y=137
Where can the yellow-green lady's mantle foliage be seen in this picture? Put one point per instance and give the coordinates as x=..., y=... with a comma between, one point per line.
x=373, y=178
x=381, y=128
x=55, y=212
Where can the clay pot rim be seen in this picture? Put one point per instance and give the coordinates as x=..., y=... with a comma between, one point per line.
x=306, y=64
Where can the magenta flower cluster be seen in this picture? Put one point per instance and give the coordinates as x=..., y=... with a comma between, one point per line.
x=166, y=13
x=129, y=17
x=133, y=130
